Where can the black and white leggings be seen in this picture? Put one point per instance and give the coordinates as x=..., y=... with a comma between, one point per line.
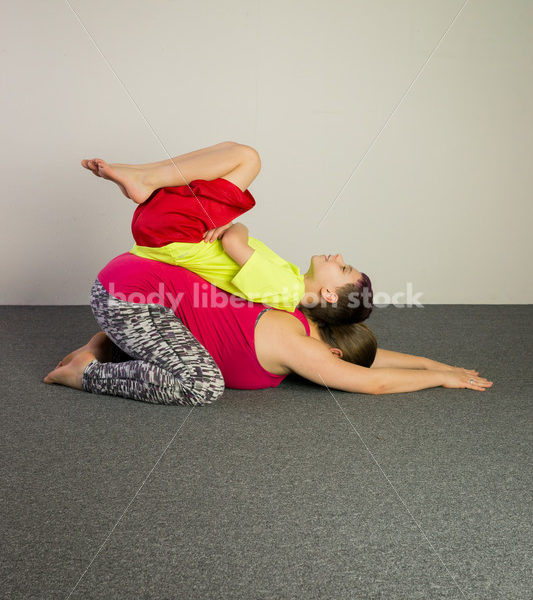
x=155, y=359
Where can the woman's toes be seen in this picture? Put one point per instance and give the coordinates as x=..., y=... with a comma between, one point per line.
x=72, y=373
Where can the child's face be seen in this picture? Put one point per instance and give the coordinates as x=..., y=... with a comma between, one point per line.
x=330, y=271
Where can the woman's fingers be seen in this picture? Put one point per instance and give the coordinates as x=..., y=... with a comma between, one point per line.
x=468, y=371
x=464, y=379
x=479, y=383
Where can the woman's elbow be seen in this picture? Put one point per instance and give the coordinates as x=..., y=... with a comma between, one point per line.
x=368, y=387
x=374, y=386
x=377, y=390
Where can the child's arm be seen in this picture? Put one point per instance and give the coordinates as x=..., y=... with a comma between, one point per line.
x=215, y=234
x=263, y=276
x=235, y=243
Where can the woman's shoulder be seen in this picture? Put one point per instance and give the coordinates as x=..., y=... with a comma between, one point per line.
x=273, y=330
x=276, y=325
x=288, y=322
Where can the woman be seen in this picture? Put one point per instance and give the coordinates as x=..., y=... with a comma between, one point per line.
x=254, y=347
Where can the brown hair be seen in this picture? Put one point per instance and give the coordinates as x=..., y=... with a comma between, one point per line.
x=354, y=304
x=356, y=340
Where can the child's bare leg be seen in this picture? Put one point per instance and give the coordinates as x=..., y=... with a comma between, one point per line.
x=194, y=154
x=139, y=181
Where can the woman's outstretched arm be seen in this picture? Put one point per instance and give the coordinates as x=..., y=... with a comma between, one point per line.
x=398, y=360
x=312, y=359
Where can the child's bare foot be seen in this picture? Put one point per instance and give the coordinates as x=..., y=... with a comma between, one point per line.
x=129, y=178
x=71, y=374
x=100, y=345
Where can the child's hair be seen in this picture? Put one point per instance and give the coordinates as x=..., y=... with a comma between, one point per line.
x=356, y=340
x=354, y=304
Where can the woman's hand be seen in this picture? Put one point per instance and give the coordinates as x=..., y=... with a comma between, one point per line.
x=217, y=233
x=457, y=371
x=438, y=366
x=456, y=377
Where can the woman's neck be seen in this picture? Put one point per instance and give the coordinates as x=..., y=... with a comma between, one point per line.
x=314, y=330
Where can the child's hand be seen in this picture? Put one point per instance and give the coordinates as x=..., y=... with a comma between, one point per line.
x=217, y=233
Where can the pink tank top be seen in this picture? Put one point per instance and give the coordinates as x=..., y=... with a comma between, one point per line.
x=223, y=323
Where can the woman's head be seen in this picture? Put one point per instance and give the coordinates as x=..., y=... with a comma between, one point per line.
x=354, y=342
x=336, y=293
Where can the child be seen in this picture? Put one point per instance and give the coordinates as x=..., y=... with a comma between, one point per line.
x=175, y=223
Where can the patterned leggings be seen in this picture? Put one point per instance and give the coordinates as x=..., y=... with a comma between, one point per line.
x=170, y=366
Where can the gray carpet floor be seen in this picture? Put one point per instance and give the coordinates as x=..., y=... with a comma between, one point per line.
x=293, y=492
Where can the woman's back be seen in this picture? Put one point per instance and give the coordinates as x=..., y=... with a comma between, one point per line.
x=224, y=324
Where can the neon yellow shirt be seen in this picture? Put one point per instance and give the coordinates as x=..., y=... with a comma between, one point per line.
x=265, y=277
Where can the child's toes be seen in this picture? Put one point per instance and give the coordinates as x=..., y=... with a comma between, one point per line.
x=94, y=163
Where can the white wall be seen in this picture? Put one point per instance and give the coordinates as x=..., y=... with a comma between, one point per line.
x=442, y=199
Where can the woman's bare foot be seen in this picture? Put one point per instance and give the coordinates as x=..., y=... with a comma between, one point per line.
x=130, y=179
x=71, y=374
x=100, y=345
